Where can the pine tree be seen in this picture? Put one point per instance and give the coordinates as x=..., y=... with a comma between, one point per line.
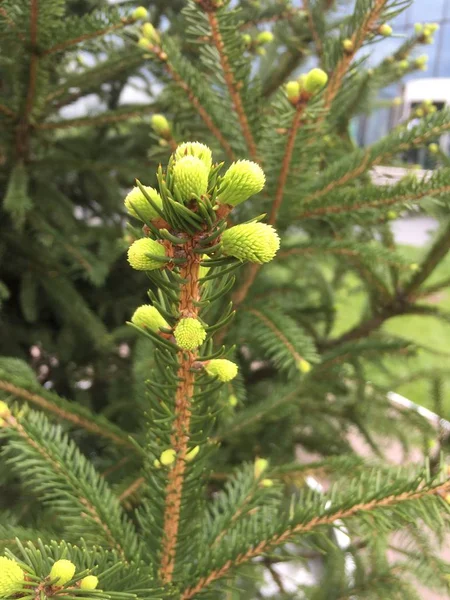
x=190, y=484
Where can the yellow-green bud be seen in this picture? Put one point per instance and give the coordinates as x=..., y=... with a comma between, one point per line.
x=168, y=457
x=403, y=64
x=89, y=583
x=137, y=254
x=192, y=453
x=223, y=369
x=419, y=113
x=139, y=207
x=433, y=27
x=148, y=317
x=247, y=39
x=414, y=267
x=156, y=464
x=385, y=30
x=260, y=466
x=265, y=37
x=143, y=43
x=150, y=33
x=255, y=242
x=243, y=179
x=62, y=571
x=418, y=28
x=303, y=366
x=427, y=30
x=429, y=40
x=397, y=101
x=392, y=214
x=421, y=61
x=140, y=13
x=315, y=80
x=11, y=577
x=293, y=91
x=4, y=409
x=261, y=51
x=233, y=400
x=267, y=483
x=196, y=149
x=190, y=177
x=189, y=333
x=160, y=125
x=347, y=45
x=433, y=148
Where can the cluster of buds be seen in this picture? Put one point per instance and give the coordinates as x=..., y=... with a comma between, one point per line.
x=259, y=467
x=307, y=85
x=257, y=44
x=425, y=31
x=189, y=215
x=426, y=108
x=169, y=456
x=12, y=577
x=63, y=571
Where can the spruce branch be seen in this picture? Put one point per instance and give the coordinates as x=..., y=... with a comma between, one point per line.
x=232, y=85
x=109, y=117
x=11, y=23
x=88, y=36
x=357, y=40
x=64, y=410
x=331, y=516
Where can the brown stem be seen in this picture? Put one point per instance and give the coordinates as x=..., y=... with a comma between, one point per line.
x=327, y=519
x=189, y=296
x=87, y=36
x=7, y=111
x=232, y=85
x=313, y=30
x=286, y=163
x=197, y=105
x=253, y=270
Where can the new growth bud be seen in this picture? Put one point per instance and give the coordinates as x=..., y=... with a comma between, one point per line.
x=150, y=33
x=255, y=242
x=139, y=207
x=190, y=177
x=189, y=333
x=293, y=91
x=195, y=149
x=433, y=148
x=315, y=80
x=192, y=453
x=11, y=577
x=168, y=457
x=148, y=317
x=265, y=37
x=89, y=583
x=259, y=467
x=139, y=13
x=243, y=179
x=138, y=254
x=347, y=44
x=304, y=366
x=160, y=125
x=385, y=30
x=223, y=369
x=62, y=571
x=4, y=412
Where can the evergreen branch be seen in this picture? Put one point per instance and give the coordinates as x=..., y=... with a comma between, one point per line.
x=7, y=111
x=329, y=518
x=188, y=305
x=401, y=198
x=288, y=63
x=88, y=36
x=75, y=483
x=63, y=410
x=111, y=117
x=439, y=249
x=286, y=162
x=312, y=28
x=203, y=113
x=34, y=11
x=132, y=488
x=232, y=86
x=11, y=23
x=343, y=65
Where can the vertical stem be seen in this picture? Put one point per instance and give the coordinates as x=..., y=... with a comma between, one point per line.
x=190, y=292
x=232, y=85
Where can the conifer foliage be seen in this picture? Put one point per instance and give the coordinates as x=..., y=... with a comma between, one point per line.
x=242, y=238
